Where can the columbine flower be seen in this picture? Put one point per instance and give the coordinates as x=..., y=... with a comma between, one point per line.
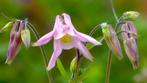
x=19, y=33
x=65, y=37
x=129, y=36
x=111, y=39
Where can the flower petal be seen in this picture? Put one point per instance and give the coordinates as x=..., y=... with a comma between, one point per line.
x=58, y=27
x=45, y=39
x=86, y=38
x=26, y=37
x=132, y=51
x=83, y=50
x=55, y=55
x=14, y=43
x=71, y=29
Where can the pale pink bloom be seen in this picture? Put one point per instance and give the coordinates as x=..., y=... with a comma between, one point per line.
x=66, y=37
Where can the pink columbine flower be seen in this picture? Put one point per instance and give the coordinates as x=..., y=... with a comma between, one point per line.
x=66, y=37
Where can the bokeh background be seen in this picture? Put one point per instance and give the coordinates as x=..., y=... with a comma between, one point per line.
x=28, y=67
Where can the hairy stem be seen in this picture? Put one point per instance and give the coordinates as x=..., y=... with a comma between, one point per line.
x=42, y=51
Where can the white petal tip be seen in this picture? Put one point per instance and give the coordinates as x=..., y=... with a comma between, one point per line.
x=35, y=44
x=99, y=43
x=8, y=61
x=91, y=59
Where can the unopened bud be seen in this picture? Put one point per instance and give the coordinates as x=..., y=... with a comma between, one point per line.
x=129, y=36
x=132, y=51
x=112, y=40
x=73, y=64
x=130, y=15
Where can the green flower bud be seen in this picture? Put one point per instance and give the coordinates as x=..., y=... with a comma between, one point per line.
x=73, y=64
x=130, y=15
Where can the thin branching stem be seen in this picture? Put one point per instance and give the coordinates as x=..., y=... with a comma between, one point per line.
x=108, y=69
x=32, y=28
x=94, y=29
x=113, y=10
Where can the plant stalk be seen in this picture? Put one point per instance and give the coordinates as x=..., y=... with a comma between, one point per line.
x=32, y=28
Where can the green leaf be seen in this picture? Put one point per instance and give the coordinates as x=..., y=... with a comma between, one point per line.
x=62, y=69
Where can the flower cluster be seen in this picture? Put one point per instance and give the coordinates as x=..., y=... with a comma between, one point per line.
x=66, y=37
x=19, y=33
x=128, y=34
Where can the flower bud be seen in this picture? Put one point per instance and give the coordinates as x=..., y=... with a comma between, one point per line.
x=14, y=43
x=19, y=33
x=129, y=36
x=111, y=40
x=130, y=15
x=73, y=64
x=132, y=51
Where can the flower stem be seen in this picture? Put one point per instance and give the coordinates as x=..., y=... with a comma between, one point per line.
x=108, y=69
x=42, y=51
x=113, y=10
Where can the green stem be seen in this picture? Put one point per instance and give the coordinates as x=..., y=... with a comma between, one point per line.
x=42, y=51
x=113, y=10
x=108, y=69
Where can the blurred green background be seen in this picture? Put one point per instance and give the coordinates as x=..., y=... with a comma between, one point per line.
x=28, y=67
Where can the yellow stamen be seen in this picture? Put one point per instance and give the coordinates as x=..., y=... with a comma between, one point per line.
x=66, y=39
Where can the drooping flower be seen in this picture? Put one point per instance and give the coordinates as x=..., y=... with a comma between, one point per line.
x=65, y=37
x=129, y=36
x=111, y=39
x=19, y=33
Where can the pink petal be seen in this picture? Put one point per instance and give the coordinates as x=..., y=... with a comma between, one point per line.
x=55, y=55
x=70, y=27
x=83, y=50
x=45, y=39
x=86, y=38
x=58, y=27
